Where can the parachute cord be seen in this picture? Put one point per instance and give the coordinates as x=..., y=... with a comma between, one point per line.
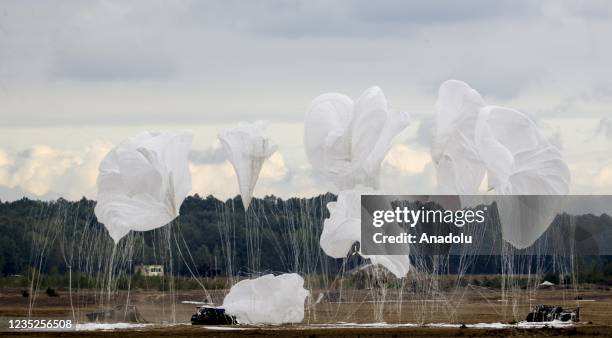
x=110, y=272
x=180, y=252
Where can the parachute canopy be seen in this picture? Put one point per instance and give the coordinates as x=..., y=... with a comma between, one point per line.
x=459, y=168
x=347, y=141
x=521, y=161
x=343, y=228
x=268, y=299
x=399, y=265
x=143, y=181
x=247, y=147
x=473, y=138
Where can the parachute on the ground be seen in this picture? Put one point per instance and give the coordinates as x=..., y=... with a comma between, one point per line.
x=143, y=181
x=267, y=299
x=247, y=147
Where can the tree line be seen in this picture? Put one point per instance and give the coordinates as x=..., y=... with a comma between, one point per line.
x=210, y=238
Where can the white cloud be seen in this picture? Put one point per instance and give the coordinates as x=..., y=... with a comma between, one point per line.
x=202, y=62
x=4, y=159
x=115, y=67
x=214, y=179
x=591, y=177
x=4, y=166
x=219, y=179
x=214, y=154
x=604, y=177
x=44, y=170
x=274, y=168
x=604, y=127
x=36, y=169
x=394, y=181
x=406, y=160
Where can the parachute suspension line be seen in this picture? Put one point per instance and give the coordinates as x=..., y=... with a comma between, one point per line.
x=253, y=233
x=197, y=278
x=167, y=234
x=110, y=272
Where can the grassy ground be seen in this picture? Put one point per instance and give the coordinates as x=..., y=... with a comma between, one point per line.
x=188, y=331
x=466, y=305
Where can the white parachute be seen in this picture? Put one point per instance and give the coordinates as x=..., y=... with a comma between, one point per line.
x=247, y=147
x=399, y=265
x=473, y=138
x=521, y=162
x=143, y=181
x=519, y=159
x=268, y=299
x=347, y=141
x=459, y=168
x=343, y=228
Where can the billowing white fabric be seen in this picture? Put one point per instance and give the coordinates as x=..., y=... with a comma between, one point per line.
x=399, y=265
x=247, y=147
x=143, y=181
x=524, y=218
x=343, y=228
x=473, y=138
x=347, y=141
x=268, y=299
x=459, y=169
x=520, y=160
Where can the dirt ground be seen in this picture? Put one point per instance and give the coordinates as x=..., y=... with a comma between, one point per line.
x=468, y=305
x=187, y=331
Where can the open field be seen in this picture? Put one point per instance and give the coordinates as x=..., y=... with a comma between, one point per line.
x=188, y=331
x=468, y=305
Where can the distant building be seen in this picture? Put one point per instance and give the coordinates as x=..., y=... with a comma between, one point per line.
x=150, y=270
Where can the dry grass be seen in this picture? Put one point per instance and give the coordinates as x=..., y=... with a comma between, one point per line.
x=466, y=305
x=189, y=331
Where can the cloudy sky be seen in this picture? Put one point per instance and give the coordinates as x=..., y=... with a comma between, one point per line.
x=78, y=77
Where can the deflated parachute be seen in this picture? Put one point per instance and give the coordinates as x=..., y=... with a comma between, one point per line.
x=142, y=182
x=247, y=147
x=347, y=141
x=268, y=299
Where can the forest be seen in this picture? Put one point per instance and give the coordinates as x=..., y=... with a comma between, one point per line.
x=210, y=238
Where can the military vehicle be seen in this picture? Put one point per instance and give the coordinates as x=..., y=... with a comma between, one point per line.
x=209, y=315
x=548, y=313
